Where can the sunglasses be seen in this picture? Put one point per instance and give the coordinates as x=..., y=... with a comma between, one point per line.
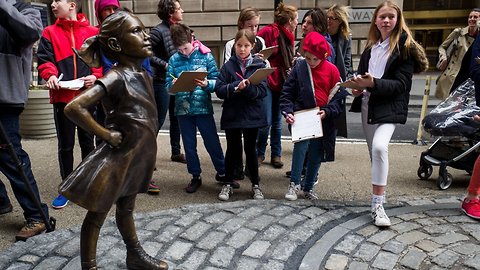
x=332, y=18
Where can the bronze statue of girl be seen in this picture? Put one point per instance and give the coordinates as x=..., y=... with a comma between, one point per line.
x=123, y=164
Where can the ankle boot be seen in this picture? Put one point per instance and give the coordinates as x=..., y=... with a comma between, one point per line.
x=137, y=258
x=89, y=265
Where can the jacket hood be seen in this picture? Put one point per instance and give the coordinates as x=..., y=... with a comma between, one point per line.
x=100, y=5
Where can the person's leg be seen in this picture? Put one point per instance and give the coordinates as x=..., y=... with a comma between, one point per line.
x=381, y=139
x=66, y=139
x=233, y=152
x=85, y=140
x=162, y=99
x=89, y=234
x=208, y=131
x=313, y=165
x=264, y=132
x=174, y=133
x=10, y=123
x=471, y=203
x=276, y=132
x=137, y=258
x=188, y=129
x=5, y=203
x=298, y=157
x=249, y=138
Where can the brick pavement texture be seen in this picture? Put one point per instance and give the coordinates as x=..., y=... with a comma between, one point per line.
x=276, y=234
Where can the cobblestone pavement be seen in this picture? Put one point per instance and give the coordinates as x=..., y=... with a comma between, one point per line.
x=276, y=234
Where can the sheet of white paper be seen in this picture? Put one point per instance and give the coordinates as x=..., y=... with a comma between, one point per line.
x=72, y=85
x=307, y=125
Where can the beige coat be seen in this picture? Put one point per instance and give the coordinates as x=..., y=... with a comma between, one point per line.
x=446, y=79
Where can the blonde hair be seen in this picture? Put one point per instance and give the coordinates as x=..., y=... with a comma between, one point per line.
x=341, y=13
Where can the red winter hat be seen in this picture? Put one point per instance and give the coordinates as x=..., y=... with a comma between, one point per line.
x=102, y=4
x=316, y=44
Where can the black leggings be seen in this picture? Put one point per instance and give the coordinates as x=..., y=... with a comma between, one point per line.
x=233, y=155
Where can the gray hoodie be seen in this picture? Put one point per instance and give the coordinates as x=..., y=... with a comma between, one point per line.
x=20, y=27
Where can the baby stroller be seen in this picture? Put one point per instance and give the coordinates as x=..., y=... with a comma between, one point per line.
x=459, y=139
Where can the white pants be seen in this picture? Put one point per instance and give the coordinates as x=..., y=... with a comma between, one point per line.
x=378, y=136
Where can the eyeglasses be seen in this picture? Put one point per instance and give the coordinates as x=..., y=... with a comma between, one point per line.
x=332, y=18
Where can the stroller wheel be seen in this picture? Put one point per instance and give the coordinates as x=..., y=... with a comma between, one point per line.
x=444, y=180
x=424, y=171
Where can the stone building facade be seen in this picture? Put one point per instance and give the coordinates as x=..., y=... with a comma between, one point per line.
x=214, y=21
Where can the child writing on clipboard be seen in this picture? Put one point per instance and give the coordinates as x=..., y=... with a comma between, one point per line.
x=243, y=110
x=311, y=84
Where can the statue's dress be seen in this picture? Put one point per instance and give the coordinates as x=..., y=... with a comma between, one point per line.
x=109, y=173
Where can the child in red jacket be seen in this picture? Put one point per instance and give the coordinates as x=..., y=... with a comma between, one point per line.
x=57, y=61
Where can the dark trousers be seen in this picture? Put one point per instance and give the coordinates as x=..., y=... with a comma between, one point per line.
x=234, y=152
x=66, y=140
x=174, y=128
x=10, y=122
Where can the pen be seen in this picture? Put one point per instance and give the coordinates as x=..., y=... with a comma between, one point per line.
x=171, y=76
x=60, y=77
x=284, y=113
x=239, y=75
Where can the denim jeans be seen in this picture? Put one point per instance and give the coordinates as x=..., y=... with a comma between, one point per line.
x=162, y=98
x=206, y=125
x=272, y=105
x=313, y=146
x=8, y=167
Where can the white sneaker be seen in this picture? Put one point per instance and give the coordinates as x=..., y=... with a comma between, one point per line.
x=257, y=193
x=380, y=217
x=225, y=193
x=310, y=195
x=292, y=192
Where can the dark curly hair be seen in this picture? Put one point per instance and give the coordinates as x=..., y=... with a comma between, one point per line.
x=165, y=8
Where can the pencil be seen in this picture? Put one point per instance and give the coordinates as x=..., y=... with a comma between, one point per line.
x=239, y=75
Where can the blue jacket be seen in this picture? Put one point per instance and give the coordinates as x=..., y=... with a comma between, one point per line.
x=199, y=101
x=244, y=109
x=297, y=94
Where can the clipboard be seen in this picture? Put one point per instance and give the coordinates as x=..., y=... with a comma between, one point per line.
x=186, y=81
x=260, y=74
x=267, y=52
x=307, y=125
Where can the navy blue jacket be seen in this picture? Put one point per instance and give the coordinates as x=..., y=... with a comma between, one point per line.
x=297, y=94
x=244, y=109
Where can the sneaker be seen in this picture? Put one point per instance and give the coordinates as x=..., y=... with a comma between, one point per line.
x=195, y=183
x=380, y=217
x=223, y=180
x=152, y=188
x=292, y=192
x=471, y=208
x=179, y=158
x=31, y=228
x=276, y=162
x=6, y=209
x=59, y=202
x=310, y=195
x=257, y=193
x=225, y=193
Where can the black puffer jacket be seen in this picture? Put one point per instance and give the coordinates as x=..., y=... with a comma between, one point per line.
x=389, y=97
x=163, y=49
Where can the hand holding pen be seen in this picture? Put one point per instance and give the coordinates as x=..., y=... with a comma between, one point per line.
x=53, y=82
x=243, y=83
x=289, y=117
x=173, y=77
